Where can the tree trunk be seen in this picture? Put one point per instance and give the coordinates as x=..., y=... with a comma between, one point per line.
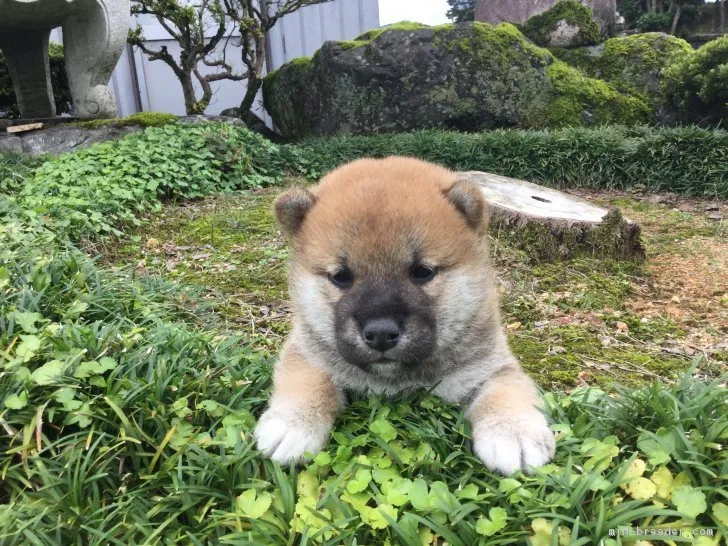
x=550, y=225
x=254, y=82
x=676, y=19
x=188, y=90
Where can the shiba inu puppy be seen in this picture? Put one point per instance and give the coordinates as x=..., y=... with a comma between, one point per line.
x=392, y=289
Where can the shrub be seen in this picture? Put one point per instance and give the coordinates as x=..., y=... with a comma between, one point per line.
x=59, y=82
x=697, y=87
x=539, y=27
x=653, y=22
x=631, y=10
x=686, y=160
x=97, y=189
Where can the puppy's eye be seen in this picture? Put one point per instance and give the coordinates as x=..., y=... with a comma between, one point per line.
x=343, y=278
x=422, y=274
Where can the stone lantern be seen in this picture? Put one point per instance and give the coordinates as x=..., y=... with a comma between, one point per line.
x=94, y=35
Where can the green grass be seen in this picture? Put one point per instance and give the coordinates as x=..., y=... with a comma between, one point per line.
x=129, y=391
x=14, y=169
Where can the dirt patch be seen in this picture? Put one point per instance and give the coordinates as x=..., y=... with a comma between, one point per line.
x=687, y=268
x=690, y=287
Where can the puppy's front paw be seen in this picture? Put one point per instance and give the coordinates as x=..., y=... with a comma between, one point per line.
x=285, y=435
x=515, y=442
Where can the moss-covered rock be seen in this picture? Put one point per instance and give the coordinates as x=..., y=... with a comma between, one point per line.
x=140, y=119
x=697, y=86
x=287, y=98
x=402, y=25
x=468, y=77
x=567, y=24
x=634, y=65
x=581, y=100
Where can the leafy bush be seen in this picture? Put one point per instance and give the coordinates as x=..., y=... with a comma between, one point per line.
x=698, y=86
x=631, y=10
x=96, y=190
x=654, y=22
x=59, y=82
x=685, y=160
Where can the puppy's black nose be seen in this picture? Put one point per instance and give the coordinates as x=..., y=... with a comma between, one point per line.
x=381, y=334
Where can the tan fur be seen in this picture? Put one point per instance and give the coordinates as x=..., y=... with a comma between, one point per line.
x=300, y=384
x=378, y=217
x=508, y=390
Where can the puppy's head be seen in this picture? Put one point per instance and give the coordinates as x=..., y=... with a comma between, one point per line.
x=388, y=261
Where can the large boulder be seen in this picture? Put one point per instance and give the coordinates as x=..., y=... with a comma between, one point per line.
x=520, y=11
x=633, y=64
x=469, y=77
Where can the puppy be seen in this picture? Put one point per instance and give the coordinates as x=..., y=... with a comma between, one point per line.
x=392, y=289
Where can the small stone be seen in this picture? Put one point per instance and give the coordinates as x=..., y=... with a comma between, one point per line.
x=556, y=350
x=514, y=326
x=152, y=243
x=715, y=216
x=622, y=327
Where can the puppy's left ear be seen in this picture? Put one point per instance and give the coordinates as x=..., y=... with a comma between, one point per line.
x=468, y=199
x=291, y=208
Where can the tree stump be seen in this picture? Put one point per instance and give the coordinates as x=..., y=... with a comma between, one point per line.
x=549, y=225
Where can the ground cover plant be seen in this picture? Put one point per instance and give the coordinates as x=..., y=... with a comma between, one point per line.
x=132, y=369
x=683, y=160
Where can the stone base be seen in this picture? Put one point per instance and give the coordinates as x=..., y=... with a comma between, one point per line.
x=59, y=140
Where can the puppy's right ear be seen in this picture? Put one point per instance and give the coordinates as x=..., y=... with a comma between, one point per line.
x=290, y=209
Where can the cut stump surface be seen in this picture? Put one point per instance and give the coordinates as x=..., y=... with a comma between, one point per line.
x=549, y=224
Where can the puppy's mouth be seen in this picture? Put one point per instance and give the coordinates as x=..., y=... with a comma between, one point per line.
x=394, y=362
x=385, y=367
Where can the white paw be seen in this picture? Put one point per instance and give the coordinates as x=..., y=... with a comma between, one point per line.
x=285, y=435
x=509, y=443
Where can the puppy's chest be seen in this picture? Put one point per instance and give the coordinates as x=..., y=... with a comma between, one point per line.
x=388, y=382
x=450, y=385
